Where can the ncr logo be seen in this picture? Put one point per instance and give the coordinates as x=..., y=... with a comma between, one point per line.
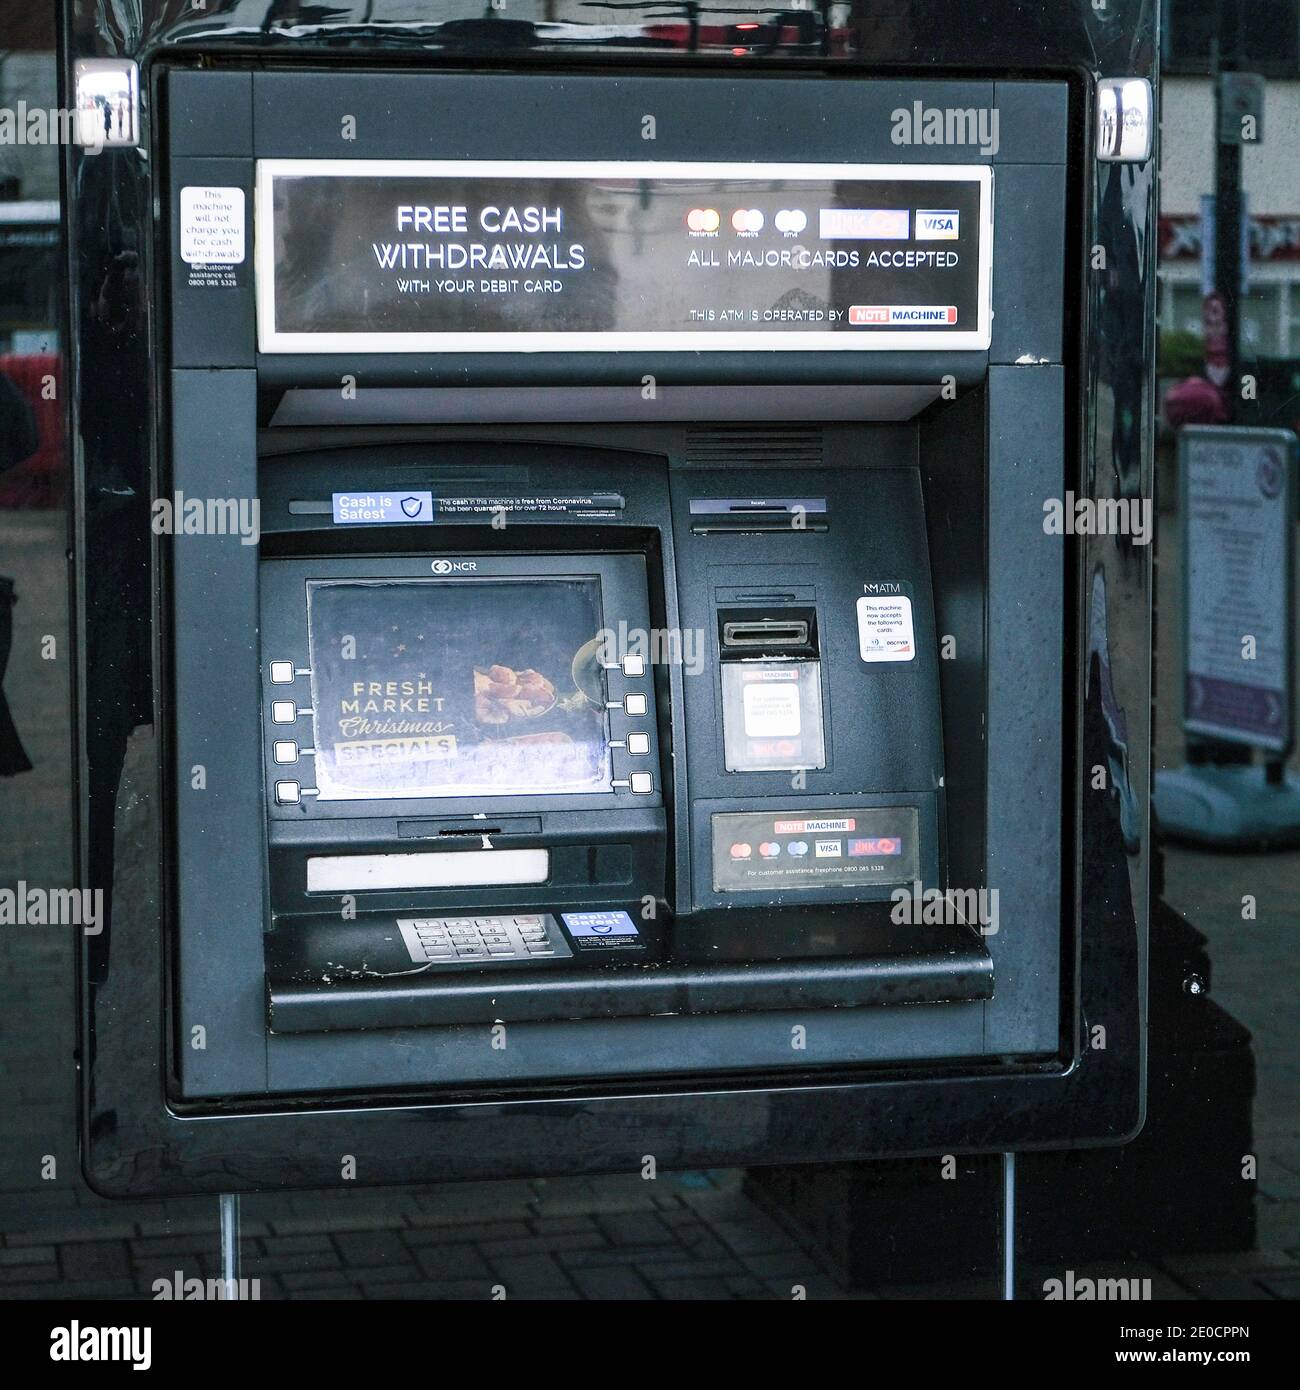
x=937, y=225
x=454, y=566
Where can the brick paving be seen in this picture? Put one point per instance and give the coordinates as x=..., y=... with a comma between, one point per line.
x=682, y=1236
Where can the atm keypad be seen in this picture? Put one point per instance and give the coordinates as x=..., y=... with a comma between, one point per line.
x=506, y=936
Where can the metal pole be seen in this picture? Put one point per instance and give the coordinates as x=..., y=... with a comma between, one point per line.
x=230, y=1244
x=1008, y=1227
x=1227, y=203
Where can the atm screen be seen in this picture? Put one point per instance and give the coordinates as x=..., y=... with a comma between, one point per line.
x=452, y=688
x=427, y=256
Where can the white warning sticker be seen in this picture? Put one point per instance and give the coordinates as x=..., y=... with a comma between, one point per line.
x=212, y=225
x=885, y=628
x=772, y=711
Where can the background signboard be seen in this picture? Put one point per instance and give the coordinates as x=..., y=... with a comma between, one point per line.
x=1239, y=515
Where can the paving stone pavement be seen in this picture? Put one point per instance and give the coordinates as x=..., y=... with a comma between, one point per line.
x=682, y=1236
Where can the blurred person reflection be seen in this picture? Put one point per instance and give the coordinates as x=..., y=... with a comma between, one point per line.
x=18, y=442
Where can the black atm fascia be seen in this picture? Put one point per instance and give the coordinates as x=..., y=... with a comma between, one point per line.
x=728, y=950
x=1034, y=1086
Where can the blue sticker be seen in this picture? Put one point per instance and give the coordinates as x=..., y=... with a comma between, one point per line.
x=382, y=508
x=599, y=924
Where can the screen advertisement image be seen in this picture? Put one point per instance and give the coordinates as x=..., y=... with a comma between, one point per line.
x=458, y=256
x=428, y=688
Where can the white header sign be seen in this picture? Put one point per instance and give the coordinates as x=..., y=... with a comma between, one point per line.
x=470, y=256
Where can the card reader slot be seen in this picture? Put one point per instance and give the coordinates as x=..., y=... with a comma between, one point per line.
x=772, y=630
x=765, y=632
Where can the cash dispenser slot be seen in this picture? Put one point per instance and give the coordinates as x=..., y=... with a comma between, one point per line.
x=322, y=977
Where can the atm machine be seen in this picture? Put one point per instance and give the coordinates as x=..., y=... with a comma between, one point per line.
x=572, y=666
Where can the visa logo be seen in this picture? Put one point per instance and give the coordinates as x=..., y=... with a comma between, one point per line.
x=937, y=225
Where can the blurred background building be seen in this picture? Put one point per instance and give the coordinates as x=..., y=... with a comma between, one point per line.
x=1269, y=45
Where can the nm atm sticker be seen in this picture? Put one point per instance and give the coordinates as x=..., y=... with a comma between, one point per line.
x=885, y=628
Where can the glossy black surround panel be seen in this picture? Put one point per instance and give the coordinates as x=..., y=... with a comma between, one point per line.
x=216, y=1055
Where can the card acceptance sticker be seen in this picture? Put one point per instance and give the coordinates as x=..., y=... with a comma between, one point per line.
x=885, y=628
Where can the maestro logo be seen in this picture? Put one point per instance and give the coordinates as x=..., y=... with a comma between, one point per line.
x=454, y=566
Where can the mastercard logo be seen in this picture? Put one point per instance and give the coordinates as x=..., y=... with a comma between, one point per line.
x=747, y=220
x=703, y=220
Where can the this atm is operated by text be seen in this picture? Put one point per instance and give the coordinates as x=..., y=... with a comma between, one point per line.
x=627, y=710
